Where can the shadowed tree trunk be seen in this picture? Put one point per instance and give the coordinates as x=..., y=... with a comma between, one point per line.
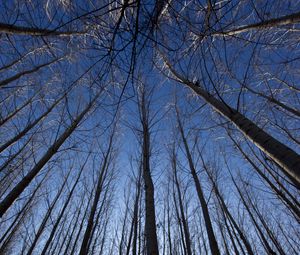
x=21, y=186
x=20, y=30
x=132, y=242
x=43, y=224
x=103, y=173
x=224, y=207
x=294, y=209
x=150, y=223
x=276, y=22
x=20, y=217
x=262, y=236
x=26, y=72
x=61, y=214
x=285, y=157
x=183, y=217
x=209, y=228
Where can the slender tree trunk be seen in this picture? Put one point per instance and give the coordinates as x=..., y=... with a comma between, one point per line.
x=275, y=101
x=265, y=243
x=99, y=187
x=281, y=21
x=100, y=213
x=225, y=208
x=31, y=125
x=179, y=224
x=294, y=209
x=209, y=228
x=11, y=158
x=22, y=185
x=81, y=225
x=169, y=227
x=26, y=72
x=285, y=157
x=221, y=228
x=47, y=216
x=183, y=218
x=135, y=214
x=266, y=227
x=271, y=171
x=60, y=216
x=20, y=217
x=20, y=30
x=9, y=116
x=230, y=234
x=150, y=223
x=121, y=244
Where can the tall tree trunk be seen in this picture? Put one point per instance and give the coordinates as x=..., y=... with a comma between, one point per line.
x=32, y=124
x=81, y=224
x=294, y=209
x=285, y=157
x=10, y=115
x=225, y=210
x=264, y=241
x=99, y=187
x=20, y=30
x=169, y=226
x=209, y=228
x=150, y=222
x=281, y=21
x=60, y=216
x=135, y=214
x=221, y=228
x=47, y=216
x=22, y=185
x=20, y=217
x=179, y=224
x=266, y=227
x=183, y=218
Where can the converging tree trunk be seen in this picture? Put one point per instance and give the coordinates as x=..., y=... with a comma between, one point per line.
x=209, y=228
x=99, y=187
x=22, y=185
x=150, y=222
x=285, y=157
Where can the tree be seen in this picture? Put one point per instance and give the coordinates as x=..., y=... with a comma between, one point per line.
x=216, y=172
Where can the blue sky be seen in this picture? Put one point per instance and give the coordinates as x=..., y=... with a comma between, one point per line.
x=217, y=62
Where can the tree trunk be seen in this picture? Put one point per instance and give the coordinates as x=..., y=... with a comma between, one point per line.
x=183, y=218
x=47, y=216
x=60, y=216
x=102, y=175
x=22, y=185
x=26, y=72
x=20, y=30
x=209, y=228
x=150, y=222
x=285, y=157
x=281, y=21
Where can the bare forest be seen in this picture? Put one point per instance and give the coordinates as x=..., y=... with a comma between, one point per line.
x=147, y=127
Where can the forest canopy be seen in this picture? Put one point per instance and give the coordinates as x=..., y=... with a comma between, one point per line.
x=149, y=127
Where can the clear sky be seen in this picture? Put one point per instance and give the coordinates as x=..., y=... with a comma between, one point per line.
x=237, y=69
